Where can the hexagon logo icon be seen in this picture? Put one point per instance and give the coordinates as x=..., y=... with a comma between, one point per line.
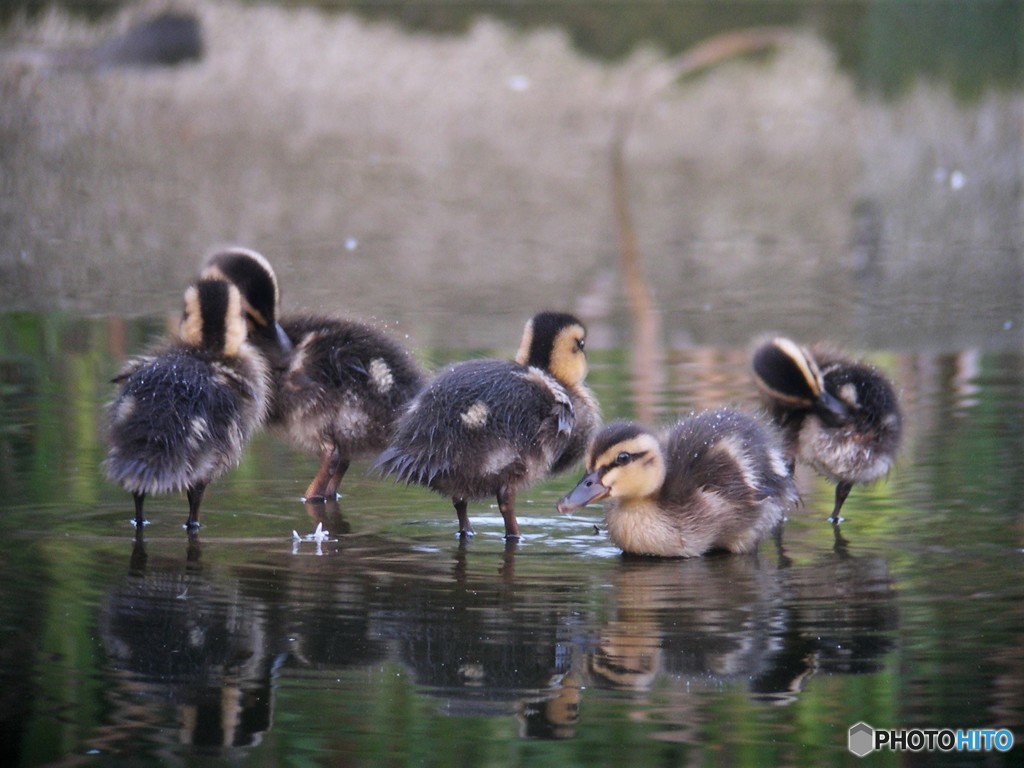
x=861, y=739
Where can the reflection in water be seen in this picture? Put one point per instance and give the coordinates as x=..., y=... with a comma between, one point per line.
x=553, y=639
x=487, y=645
x=173, y=636
x=646, y=349
x=739, y=620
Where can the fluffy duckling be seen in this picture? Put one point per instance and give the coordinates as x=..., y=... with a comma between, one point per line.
x=715, y=481
x=185, y=412
x=491, y=427
x=340, y=391
x=839, y=416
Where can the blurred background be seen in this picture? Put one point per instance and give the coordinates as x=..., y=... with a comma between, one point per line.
x=859, y=179
x=686, y=175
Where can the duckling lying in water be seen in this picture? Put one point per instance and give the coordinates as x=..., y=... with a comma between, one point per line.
x=715, y=481
x=839, y=416
x=340, y=391
x=184, y=413
x=492, y=427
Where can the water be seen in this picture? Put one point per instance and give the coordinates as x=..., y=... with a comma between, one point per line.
x=448, y=186
x=392, y=641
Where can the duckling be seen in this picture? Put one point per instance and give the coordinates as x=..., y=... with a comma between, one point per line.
x=840, y=416
x=491, y=427
x=342, y=387
x=717, y=480
x=184, y=413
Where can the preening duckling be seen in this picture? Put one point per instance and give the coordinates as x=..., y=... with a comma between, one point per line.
x=716, y=481
x=342, y=387
x=492, y=427
x=184, y=413
x=839, y=416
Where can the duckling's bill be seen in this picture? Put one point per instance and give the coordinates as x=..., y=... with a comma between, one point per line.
x=587, y=491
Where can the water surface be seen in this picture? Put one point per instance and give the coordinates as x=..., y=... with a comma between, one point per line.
x=448, y=186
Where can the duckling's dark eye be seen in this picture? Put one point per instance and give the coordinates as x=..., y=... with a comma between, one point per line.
x=580, y=344
x=623, y=458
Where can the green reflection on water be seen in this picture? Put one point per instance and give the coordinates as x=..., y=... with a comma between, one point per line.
x=946, y=525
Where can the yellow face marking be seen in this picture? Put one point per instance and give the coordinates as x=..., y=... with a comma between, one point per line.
x=523, y=354
x=214, y=271
x=568, y=360
x=191, y=330
x=631, y=469
x=235, y=330
x=803, y=361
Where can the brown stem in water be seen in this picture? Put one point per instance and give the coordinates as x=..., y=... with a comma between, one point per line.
x=646, y=321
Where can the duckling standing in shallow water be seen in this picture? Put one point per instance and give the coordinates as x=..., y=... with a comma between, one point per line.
x=492, y=427
x=716, y=481
x=185, y=412
x=340, y=391
x=839, y=416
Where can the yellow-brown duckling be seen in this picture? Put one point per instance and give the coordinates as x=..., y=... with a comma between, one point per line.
x=839, y=416
x=717, y=480
x=184, y=413
x=342, y=387
x=491, y=427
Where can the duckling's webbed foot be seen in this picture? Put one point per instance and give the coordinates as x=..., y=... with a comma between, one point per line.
x=195, y=498
x=507, y=505
x=842, y=491
x=465, y=529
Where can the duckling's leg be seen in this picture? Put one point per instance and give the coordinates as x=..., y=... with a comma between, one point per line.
x=195, y=498
x=507, y=505
x=340, y=468
x=328, y=477
x=140, y=520
x=842, y=491
x=465, y=529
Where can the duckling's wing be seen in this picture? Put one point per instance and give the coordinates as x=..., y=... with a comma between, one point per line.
x=729, y=453
x=235, y=379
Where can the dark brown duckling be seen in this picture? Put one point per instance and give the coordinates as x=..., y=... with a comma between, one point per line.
x=492, y=427
x=717, y=480
x=340, y=390
x=841, y=417
x=185, y=412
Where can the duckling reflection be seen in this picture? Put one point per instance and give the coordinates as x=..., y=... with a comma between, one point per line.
x=743, y=622
x=839, y=416
x=322, y=614
x=485, y=645
x=172, y=636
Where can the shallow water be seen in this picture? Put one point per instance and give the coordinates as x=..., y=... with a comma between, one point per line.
x=448, y=186
x=392, y=641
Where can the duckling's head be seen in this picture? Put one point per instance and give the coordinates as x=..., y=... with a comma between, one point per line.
x=787, y=374
x=212, y=317
x=866, y=394
x=624, y=461
x=554, y=341
x=255, y=278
